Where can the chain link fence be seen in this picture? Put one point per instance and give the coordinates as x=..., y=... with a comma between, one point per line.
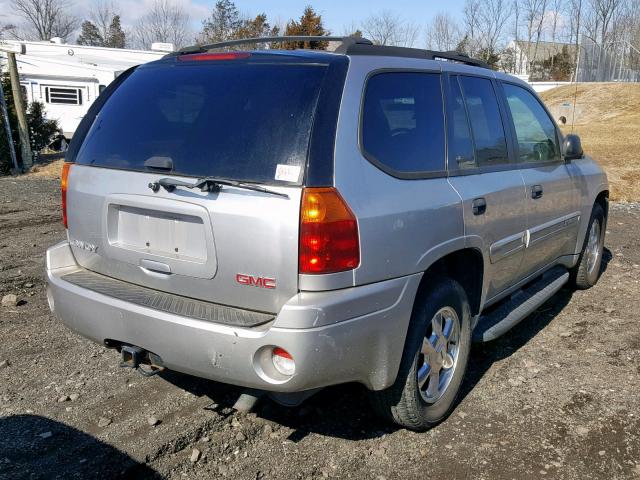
x=617, y=62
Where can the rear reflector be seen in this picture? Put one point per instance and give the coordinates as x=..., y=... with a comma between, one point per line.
x=63, y=187
x=203, y=57
x=283, y=361
x=329, y=241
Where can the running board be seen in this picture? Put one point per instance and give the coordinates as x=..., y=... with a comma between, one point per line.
x=521, y=304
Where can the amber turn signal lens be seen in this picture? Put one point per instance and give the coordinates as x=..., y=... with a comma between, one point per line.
x=329, y=240
x=63, y=186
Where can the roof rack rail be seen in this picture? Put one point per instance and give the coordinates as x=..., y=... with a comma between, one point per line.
x=346, y=41
x=405, y=52
x=454, y=56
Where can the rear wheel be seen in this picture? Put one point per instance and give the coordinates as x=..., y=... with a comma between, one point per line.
x=433, y=362
x=587, y=272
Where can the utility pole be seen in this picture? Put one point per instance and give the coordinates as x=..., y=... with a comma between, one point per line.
x=7, y=128
x=23, y=128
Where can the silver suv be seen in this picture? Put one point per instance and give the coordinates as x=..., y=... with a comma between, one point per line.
x=287, y=220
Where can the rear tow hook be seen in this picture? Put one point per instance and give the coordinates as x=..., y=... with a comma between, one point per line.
x=135, y=357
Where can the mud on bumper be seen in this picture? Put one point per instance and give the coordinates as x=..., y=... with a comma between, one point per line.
x=354, y=334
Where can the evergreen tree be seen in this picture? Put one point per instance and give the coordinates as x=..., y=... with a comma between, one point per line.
x=310, y=23
x=258, y=27
x=41, y=131
x=112, y=37
x=490, y=57
x=90, y=35
x=223, y=24
x=116, y=37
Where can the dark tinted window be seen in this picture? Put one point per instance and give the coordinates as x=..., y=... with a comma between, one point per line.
x=536, y=133
x=248, y=122
x=486, y=122
x=461, y=153
x=403, y=122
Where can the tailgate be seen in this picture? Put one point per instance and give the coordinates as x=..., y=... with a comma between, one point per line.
x=235, y=247
x=248, y=120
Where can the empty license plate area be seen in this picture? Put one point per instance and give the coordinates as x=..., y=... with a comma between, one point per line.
x=159, y=233
x=174, y=235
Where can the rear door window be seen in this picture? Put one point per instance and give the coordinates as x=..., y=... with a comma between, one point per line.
x=248, y=121
x=535, y=132
x=403, y=123
x=486, y=122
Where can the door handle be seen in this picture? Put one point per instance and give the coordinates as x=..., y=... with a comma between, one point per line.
x=479, y=206
x=536, y=192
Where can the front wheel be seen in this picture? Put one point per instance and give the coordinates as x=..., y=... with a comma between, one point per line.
x=433, y=362
x=587, y=272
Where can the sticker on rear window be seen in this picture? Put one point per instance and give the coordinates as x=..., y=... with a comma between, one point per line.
x=287, y=173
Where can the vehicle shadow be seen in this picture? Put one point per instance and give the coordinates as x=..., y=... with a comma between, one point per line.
x=36, y=447
x=344, y=411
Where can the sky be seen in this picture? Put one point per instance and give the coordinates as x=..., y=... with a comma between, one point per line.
x=338, y=15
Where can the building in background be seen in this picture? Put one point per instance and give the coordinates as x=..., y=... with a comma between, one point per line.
x=68, y=78
x=544, y=61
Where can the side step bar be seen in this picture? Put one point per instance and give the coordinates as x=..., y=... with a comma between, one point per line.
x=521, y=304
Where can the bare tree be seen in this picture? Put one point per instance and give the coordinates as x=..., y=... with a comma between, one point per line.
x=102, y=15
x=45, y=19
x=557, y=7
x=485, y=22
x=443, y=33
x=5, y=27
x=533, y=15
x=164, y=22
x=387, y=28
x=494, y=15
x=604, y=14
x=471, y=15
x=540, y=23
x=575, y=12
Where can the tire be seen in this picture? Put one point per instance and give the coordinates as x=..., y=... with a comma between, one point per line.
x=405, y=402
x=587, y=272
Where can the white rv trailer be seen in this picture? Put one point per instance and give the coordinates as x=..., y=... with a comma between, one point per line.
x=68, y=78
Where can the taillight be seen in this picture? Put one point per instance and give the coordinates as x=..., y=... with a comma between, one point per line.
x=205, y=57
x=329, y=239
x=63, y=186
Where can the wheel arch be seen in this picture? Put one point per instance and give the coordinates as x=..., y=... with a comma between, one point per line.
x=466, y=266
x=603, y=200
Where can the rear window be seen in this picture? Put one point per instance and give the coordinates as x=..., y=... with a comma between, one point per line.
x=248, y=122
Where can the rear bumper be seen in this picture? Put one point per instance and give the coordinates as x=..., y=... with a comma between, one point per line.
x=350, y=335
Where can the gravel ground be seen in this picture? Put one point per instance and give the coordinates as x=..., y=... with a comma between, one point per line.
x=555, y=398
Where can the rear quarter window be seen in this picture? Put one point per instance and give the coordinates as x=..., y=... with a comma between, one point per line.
x=247, y=122
x=402, y=126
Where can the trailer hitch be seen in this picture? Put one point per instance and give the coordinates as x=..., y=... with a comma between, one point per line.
x=135, y=357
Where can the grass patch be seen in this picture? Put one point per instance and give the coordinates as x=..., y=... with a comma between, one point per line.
x=608, y=121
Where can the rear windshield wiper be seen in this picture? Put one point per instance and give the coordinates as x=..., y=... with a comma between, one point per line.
x=210, y=184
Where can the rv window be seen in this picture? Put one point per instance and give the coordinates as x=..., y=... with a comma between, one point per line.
x=63, y=95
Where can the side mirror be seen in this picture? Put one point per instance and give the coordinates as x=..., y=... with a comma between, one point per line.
x=572, y=148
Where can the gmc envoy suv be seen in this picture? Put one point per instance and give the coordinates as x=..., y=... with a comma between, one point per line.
x=285, y=220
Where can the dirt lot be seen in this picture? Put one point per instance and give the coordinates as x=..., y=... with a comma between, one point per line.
x=556, y=398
